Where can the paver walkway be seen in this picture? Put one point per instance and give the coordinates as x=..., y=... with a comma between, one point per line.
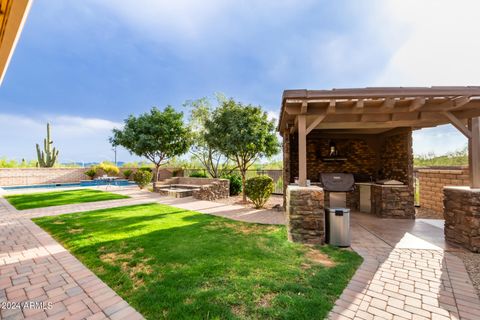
x=408, y=273
x=35, y=268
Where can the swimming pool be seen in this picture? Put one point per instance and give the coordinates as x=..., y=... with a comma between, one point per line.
x=83, y=183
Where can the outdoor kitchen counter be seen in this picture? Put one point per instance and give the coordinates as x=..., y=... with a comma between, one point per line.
x=381, y=185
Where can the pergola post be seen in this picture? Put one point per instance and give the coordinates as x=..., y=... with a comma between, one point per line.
x=474, y=152
x=302, y=151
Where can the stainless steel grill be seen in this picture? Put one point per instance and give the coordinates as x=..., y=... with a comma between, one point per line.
x=337, y=182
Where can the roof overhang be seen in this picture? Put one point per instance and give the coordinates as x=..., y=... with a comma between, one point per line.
x=379, y=108
x=13, y=14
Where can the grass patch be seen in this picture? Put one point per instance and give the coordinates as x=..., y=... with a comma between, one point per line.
x=171, y=263
x=58, y=198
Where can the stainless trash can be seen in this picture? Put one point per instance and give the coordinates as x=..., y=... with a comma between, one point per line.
x=339, y=227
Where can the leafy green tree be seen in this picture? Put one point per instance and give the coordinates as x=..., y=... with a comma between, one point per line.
x=243, y=133
x=210, y=158
x=156, y=135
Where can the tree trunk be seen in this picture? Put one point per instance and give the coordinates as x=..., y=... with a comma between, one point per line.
x=244, y=195
x=155, y=176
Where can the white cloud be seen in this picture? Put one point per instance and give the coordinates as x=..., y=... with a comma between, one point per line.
x=439, y=43
x=77, y=138
x=439, y=141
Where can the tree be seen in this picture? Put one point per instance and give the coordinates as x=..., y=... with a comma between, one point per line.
x=156, y=135
x=243, y=133
x=210, y=158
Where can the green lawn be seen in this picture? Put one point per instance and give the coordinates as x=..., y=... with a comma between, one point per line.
x=170, y=263
x=58, y=198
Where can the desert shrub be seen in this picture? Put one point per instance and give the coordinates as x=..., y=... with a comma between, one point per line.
x=235, y=183
x=91, y=172
x=259, y=189
x=109, y=168
x=148, y=169
x=198, y=174
x=142, y=178
x=127, y=173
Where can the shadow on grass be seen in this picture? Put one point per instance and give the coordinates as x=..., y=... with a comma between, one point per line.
x=57, y=198
x=177, y=264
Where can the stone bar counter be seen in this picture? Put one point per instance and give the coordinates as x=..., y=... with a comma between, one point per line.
x=393, y=201
x=305, y=214
x=462, y=216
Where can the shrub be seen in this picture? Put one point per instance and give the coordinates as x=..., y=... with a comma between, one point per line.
x=198, y=174
x=109, y=168
x=259, y=189
x=127, y=173
x=91, y=172
x=142, y=178
x=235, y=183
x=148, y=169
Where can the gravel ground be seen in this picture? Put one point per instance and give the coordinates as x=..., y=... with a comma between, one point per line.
x=472, y=263
x=275, y=200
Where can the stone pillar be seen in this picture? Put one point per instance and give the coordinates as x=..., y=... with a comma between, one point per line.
x=305, y=214
x=462, y=216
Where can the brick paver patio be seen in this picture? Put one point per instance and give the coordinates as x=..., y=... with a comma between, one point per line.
x=35, y=268
x=408, y=271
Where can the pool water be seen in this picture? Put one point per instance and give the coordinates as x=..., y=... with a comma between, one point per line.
x=85, y=183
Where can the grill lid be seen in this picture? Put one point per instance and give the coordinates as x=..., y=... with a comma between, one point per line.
x=337, y=182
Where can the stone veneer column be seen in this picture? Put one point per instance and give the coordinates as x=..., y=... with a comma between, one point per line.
x=462, y=216
x=305, y=214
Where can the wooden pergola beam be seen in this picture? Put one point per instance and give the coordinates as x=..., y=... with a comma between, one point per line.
x=302, y=150
x=474, y=152
x=457, y=123
x=316, y=122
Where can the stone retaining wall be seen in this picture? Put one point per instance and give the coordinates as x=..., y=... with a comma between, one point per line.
x=215, y=190
x=305, y=214
x=209, y=189
x=462, y=217
x=431, y=183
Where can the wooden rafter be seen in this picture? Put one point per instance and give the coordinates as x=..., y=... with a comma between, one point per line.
x=331, y=106
x=417, y=103
x=304, y=107
x=388, y=103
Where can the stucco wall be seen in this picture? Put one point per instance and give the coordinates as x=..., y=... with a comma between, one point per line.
x=31, y=176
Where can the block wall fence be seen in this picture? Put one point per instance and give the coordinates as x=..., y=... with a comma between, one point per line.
x=32, y=176
x=431, y=183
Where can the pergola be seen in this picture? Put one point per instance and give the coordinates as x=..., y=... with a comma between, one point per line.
x=376, y=110
x=13, y=14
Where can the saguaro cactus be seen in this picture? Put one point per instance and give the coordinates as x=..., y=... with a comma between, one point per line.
x=47, y=157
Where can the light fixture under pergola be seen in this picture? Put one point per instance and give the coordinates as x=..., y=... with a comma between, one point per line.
x=375, y=110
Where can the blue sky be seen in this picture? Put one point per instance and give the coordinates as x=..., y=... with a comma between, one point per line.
x=86, y=65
